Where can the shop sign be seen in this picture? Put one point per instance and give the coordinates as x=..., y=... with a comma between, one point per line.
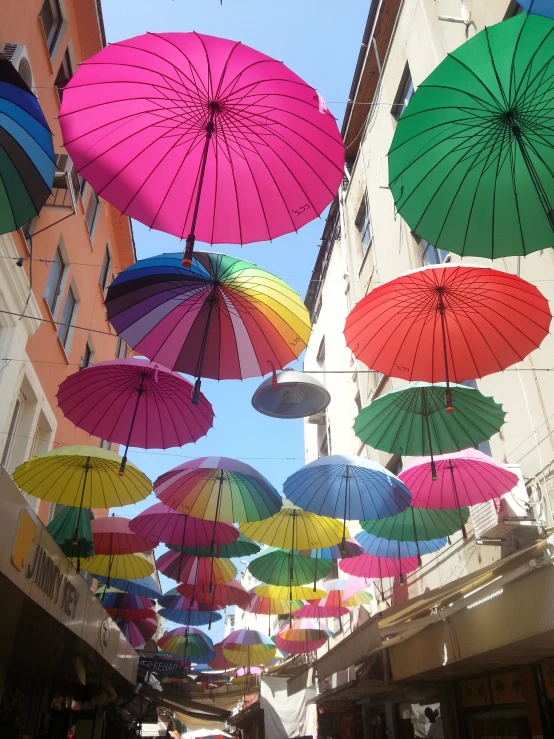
x=160, y=666
x=41, y=568
x=336, y=706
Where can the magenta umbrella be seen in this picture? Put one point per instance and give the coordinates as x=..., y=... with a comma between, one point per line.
x=463, y=479
x=138, y=632
x=135, y=402
x=202, y=137
x=366, y=565
x=319, y=609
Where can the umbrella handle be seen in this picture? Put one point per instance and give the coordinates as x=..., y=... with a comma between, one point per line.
x=447, y=391
x=133, y=419
x=346, y=493
x=455, y=489
x=428, y=428
x=195, y=398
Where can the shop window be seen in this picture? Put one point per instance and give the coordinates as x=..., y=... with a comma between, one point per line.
x=68, y=316
x=404, y=94
x=105, y=272
x=65, y=73
x=93, y=211
x=52, y=22
x=55, y=282
x=364, y=226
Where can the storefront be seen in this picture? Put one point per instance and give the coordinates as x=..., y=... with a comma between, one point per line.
x=64, y=664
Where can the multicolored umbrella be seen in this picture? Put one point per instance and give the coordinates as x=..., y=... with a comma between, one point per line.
x=189, y=617
x=271, y=606
x=135, y=402
x=315, y=609
x=351, y=548
x=112, y=535
x=470, y=164
x=297, y=592
x=138, y=632
x=206, y=138
x=145, y=586
x=347, y=487
x=27, y=160
x=223, y=318
x=173, y=600
x=246, y=675
x=246, y=647
x=62, y=529
x=293, y=528
x=366, y=565
x=242, y=547
x=448, y=323
x=286, y=567
x=302, y=636
x=381, y=547
x=220, y=662
x=338, y=599
x=166, y=526
x=113, y=598
x=187, y=641
x=193, y=570
x=118, y=566
x=463, y=479
x=230, y=594
x=412, y=420
x=417, y=524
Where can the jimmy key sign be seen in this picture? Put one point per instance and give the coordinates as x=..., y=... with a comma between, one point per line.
x=41, y=568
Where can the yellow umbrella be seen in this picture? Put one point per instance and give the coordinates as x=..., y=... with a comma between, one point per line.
x=293, y=528
x=296, y=592
x=118, y=566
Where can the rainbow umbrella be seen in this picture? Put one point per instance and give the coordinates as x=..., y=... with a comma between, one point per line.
x=246, y=647
x=134, y=402
x=315, y=609
x=338, y=599
x=138, y=632
x=62, y=529
x=187, y=641
x=173, y=600
x=121, y=566
x=113, y=598
x=220, y=662
x=193, y=570
x=146, y=586
x=229, y=594
x=351, y=548
x=366, y=565
x=271, y=607
x=297, y=592
x=242, y=547
x=221, y=317
x=302, y=636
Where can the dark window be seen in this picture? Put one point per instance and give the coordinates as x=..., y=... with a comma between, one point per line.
x=52, y=22
x=365, y=229
x=87, y=356
x=65, y=73
x=121, y=349
x=403, y=97
x=55, y=280
x=430, y=254
x=68, y=315
x=93, y=209
x=105, y=271
x=13, y=426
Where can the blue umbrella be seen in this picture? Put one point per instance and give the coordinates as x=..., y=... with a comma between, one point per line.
x=352, y=549
x=347, y=487
x=146, y=586
x=538, y=7
x=189, y=618
x=396, y=549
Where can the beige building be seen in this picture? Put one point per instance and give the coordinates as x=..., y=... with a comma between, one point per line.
x=365, y=244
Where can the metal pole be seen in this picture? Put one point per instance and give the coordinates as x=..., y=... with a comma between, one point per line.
x=426, y=423
x=463, y=526
x=448, y=391
x=76, y=538
x=346, y=492
x=415, y=537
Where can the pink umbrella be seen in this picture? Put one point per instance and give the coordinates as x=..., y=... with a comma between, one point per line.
x=166, y=526
x=135, y=402
x=315, y=609
x=188, y=568
x=366, y=565
x=200, y=136
x=138, y=632
x=301, y=637
x=463, y=479
x=112, y=535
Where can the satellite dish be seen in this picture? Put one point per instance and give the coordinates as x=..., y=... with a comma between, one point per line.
x=295, y=395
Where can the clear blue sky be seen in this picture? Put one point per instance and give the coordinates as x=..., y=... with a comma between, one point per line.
x=320, y=41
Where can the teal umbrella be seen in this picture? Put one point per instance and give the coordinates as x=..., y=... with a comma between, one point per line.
x=472, y=160
x=64, y=527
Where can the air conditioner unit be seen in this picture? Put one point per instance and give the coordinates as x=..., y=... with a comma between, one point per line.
x=17, y=55
x=495, y=519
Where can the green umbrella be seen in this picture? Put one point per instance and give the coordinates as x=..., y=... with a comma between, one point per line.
x=412, y=420
x=472, y=160
x=418, y=524
x=285, y=567
x=62, y=529
x=242, y=547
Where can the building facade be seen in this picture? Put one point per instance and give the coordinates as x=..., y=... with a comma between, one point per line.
x=55, y=271
x=393, y=668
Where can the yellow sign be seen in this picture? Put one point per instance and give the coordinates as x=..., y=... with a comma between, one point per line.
x=26, y=534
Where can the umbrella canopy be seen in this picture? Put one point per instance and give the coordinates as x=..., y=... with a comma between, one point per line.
x=366, y=565
x=242, y=547
x=135, y=402
x=218, y=489
x=196, y=570
x=412, y=420
x=380, y=547
x=119, y=566
x=113, y=598
x=166, y=526
x=27, y=162
x=538, y=7
x=417, y=524
x=347, y=487
x=301, y=637
x=351, y=548
x=174, y=601
x=285, y=567
x=338, y=599
x=230, y=594
x=293, y=528
x=130, y=614
x=145, y=586
x=220, y=662
x=138, y=632
x=316, y=610
x=62, y=529
x=258, y=154
x=223, y=318
x=247, y=647
x=297, y=592
x=246, y=675
x=186, y=641
x=447, y=323
x=189, y=617
x=470, y=164
x=112, y=535
x=271, y=606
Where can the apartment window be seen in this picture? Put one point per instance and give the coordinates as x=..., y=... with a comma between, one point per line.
x=52, y=22
x=106, y=267
x=65, y=73
x=55, y=280
x=106, y=444
x=82, y=186
x=65, y=179
x=121, y=349
x=16, y=415
x=87, y=356
x=93, y=210
x=68, y=315
x=363, y=224
x=430, y=254
x=403, y=97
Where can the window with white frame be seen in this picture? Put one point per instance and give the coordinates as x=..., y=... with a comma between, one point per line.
x=55, y=282
x=105, y=272
x=430, y=254
x=52, y=22
x=12, y=429
x=93, y=211
x=404, y=94
x=363, y=224
x=65, y=73
x=68, y=316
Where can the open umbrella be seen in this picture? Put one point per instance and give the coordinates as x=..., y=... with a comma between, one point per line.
x=366, y=565
x=120, y=566
x=220, y=662
x=186, y=641
x=145, y=586
x=417, y=524
x=139, y=631
x=294, y=593
x=381, y=547
x=246, y=647
x=347, y=487
x=339, y=599
x=114, y=598
x=174, y=601
x=538, y=7
x=112, y=535
x=271, y=607
x=448, y=323
x=412, y=420
x=284, y=566
x=192, y=570
x=463, y=479
x=302, y=636
x=27, y=162
x=351, y=548
x=62, y=529
x=131, y=614
x=223, y=318
x=82, y=477
x=246, y=675
x=293, y=528
x=189, y=617
x=202, y=137
x=470, y=164
x=135, y=402
x=242, y=547
x=229, y=594
x=315, y=609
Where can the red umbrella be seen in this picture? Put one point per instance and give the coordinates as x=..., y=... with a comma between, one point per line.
x=112, y=535
x=166, y=526
x=366, y=565
x=228, y=594
x=135, y=402
x=131, y=614
x=448, y=323
x=220, y=662
x=138, y=632
x=200, y=136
